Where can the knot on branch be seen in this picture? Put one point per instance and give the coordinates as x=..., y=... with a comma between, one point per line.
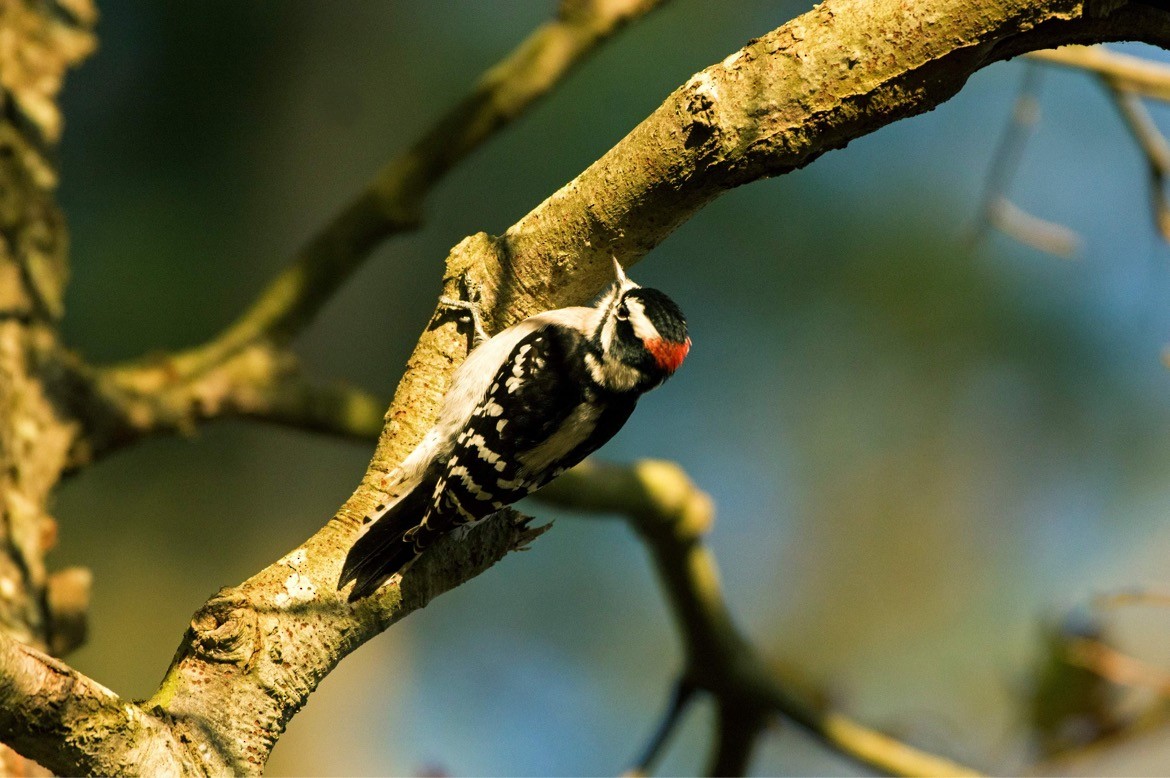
x=700, y=95
x=225, y=630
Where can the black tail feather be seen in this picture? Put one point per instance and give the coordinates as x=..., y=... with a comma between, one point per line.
x=383, y=550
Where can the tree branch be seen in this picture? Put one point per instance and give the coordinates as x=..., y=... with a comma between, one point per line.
x=123, y=405
x=392, y=202
x=671, y=515
x=842, y=70
x=1132, y=74
x=803, y=89
x=281, y=635
x=247, y=370
x=1128, y=79
x=74, y=725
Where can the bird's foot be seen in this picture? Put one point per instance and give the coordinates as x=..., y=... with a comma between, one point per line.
x=479, y=334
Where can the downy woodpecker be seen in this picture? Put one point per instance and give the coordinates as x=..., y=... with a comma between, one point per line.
x=526, y=405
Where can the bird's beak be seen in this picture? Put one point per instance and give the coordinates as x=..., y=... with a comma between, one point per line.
x=618, y=272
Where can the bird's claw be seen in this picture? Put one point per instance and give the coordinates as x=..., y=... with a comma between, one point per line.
x=479, y=334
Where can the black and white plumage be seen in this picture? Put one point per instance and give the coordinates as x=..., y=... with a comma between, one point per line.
x=525, y=406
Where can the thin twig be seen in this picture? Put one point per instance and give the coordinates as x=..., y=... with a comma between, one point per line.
x=1117, y=666
x=681, y=695
x=1155, y=150
x=1127, y=79
x=1134, y=596
x=1040, y=234
x=1005, y=161
x=671, y=515
x=1000, y=213
x=1133, y=74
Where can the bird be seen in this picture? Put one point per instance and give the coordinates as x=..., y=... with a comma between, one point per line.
x=526, y=405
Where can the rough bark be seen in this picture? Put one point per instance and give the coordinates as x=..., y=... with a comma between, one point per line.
x=38, y=42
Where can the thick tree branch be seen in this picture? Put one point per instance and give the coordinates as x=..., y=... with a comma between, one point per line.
x=846, y=68
x=671, y=515
x=285, y=638
x=39, y=43
x=73, y=725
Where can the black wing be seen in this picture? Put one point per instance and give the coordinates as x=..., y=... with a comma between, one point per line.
x=535, y=395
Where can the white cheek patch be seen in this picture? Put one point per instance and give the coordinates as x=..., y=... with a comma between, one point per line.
x=643, y=328
x=608, y=330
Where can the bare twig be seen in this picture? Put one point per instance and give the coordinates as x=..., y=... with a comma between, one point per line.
x=671, y=515
x=1127, y=79
x=1031, y=230
x=681, y=695
x=1000, y=213
x=1117, y=666
x=1005, y=160
x=1154, y=148
x=1132, y=74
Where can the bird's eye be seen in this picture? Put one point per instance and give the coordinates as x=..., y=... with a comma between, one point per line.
x=622, y=313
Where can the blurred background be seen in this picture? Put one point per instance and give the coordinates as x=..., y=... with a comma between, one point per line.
x=923, y=452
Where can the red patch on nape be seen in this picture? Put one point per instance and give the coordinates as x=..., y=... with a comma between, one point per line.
x=667, y=353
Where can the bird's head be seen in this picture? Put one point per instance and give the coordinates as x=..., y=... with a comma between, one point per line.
x=641, y=336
